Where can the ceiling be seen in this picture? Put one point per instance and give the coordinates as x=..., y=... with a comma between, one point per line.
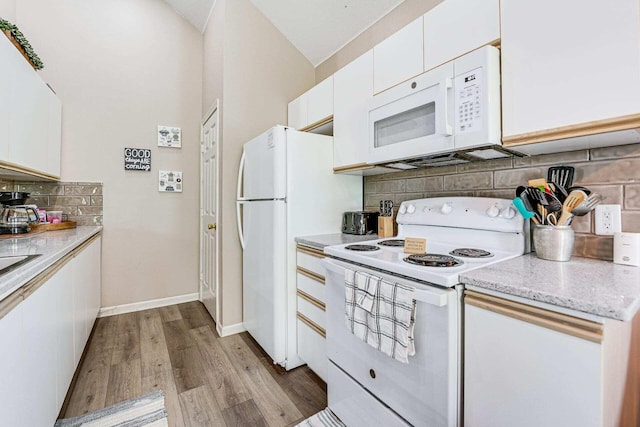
x=317, y=28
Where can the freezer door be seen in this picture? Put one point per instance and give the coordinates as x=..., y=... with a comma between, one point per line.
x=264, y=275
x=265, y=166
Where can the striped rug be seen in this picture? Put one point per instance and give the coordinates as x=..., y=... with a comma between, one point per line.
x=324, y=418
x=147, y=411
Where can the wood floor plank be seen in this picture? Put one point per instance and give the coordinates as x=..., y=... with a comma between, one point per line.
x=90, y=391
x=125, y=382
x=245, y=414
x=221, y=375
x=163, y=380
x=307, y=393
x=199, y=408
x=188, y=369
x=192, y=315
x=177, y=336
x=153, y=346
x=170, y=313
x=274, y=404
x=127, y=340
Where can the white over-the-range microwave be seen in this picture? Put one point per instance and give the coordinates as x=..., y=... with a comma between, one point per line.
x=448, y=115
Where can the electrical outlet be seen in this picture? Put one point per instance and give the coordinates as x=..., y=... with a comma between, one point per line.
x=608, y=219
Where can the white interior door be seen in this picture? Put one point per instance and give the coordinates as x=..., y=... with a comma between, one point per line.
x=208, y=214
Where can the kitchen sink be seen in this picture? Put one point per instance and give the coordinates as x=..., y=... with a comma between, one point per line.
x=9, y=263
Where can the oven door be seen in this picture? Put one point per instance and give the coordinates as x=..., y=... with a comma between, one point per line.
x=425, y=391
x=412, y=119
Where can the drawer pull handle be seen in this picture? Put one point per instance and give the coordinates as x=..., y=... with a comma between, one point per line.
x=311, y=251
x=311, y=275
x=315, y=301
x=372, y=373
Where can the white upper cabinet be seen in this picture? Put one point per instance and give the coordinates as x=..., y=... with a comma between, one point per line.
x=353, y=90
x=313, y=107
x=399, y=57
x=297, y=112
x=320, y=102
x=571, y=63
x=30, y=117
x=455, y=27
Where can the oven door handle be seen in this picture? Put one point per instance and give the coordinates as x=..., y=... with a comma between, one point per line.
x=439, y=299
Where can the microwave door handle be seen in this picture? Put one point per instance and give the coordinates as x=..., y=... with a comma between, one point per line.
x=445, y=87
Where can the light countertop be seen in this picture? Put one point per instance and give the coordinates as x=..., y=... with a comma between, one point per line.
x=596, y=287
x=322, y=240
x=52, y=246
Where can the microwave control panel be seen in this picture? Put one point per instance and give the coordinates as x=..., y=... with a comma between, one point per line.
x=468, y=103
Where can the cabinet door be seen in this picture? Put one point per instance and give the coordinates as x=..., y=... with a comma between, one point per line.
x=86, y=294
x=13, y=398
x=520, y=374
x=28, y=118
x=39, y=326
x=399, y=57
x=54, y=134
x=320, y=101
x=455, y=27
x=297, y=112
x=65, y=362
x=7, y=71
x=568, y=63
x=353, y=90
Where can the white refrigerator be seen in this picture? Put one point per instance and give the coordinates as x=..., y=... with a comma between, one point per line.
x=286, y=188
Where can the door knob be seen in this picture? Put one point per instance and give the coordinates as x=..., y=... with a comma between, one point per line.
x=212, y=226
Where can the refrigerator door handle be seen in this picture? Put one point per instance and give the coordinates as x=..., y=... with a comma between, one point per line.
x=239, y=221
x=240, y=176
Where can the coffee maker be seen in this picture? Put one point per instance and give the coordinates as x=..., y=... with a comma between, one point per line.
x=16, y=217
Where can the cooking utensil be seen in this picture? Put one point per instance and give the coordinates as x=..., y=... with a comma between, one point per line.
x=573, y=200
x=530, y=205
x=578, y=187
x=588, y=204
x=562, y=175
x=519, y=204
x=559, y=191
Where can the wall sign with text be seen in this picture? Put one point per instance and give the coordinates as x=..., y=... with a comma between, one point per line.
x=137, y=159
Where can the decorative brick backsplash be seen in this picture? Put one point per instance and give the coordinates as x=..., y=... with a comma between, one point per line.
x=81, y=201
x=613, y=172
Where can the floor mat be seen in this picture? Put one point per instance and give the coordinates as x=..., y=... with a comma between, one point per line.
x=324, y=418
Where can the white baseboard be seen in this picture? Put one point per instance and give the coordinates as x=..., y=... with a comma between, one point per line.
x=225, y=331
x=145, y=305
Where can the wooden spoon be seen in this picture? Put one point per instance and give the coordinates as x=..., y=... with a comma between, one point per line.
x=574, y=199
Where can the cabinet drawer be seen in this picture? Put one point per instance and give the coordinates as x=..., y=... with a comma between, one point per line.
x=312, y=349
x=311, y=286
x=311, y=308
x=311, y=260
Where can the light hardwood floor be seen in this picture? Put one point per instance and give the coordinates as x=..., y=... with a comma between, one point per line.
x=207, y=380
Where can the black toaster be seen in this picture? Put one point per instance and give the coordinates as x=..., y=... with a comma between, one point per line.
x=360, y=222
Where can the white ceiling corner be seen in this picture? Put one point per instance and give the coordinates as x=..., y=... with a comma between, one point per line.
x=195, y=11
x=319, y=28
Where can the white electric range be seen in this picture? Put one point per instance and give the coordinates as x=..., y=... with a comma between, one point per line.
x=366, y=387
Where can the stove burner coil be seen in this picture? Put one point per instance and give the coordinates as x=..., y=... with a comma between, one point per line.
x=471, y=253
x=433, y=260
x=362, y=248
x=392, y=242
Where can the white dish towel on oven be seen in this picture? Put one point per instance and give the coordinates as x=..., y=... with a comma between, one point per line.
x=380, y=313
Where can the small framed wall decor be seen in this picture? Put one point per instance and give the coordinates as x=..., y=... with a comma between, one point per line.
x=169, y=136
x=137, y=159
x=170, y=181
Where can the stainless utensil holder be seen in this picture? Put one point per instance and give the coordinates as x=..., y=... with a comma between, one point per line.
x=553, y=243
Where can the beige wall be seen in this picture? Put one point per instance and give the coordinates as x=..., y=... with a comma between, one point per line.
x=262, y=72
x=121, y=68
x=406, y=12
x=8, y=10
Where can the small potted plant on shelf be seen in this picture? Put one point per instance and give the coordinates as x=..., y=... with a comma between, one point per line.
x=21, y=43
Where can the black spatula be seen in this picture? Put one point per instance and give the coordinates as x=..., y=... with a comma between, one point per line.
x=562, y=175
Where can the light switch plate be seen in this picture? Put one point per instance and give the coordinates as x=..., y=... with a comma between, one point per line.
x=608, y=219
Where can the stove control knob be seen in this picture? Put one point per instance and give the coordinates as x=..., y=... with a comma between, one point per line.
x=446, y=209
x=402, y=210
x=493, y=211
x=411, y=209
x=508, y=212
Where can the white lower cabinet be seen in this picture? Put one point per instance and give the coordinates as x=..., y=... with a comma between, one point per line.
x=40, y=338
x=311, y=309
x=526, y=366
